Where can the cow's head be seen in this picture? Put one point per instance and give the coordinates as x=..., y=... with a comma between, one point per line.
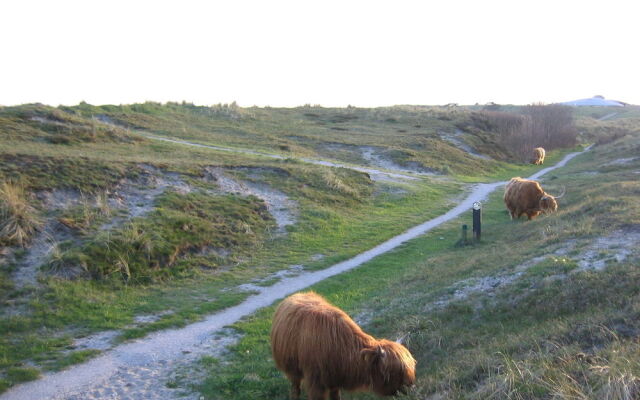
x=548, y=203
x=393, y=368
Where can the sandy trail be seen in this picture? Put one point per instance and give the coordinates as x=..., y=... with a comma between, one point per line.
x=608, y=116
x=162, y=350
x=371, y=171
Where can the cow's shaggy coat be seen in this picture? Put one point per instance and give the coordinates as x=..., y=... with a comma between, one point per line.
x=524, y=196
x=538, y=156
x=318, y=344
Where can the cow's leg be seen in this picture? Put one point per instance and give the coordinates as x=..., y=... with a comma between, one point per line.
x=335, y=394
x=316, y=392
x=295, y=386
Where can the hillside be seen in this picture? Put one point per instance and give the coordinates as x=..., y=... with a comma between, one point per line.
x=124, y=233
x=540, y=309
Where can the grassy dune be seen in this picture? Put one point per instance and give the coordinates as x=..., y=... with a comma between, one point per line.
x=185, y=256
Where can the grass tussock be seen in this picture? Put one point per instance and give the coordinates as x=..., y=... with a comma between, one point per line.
x=335, y=183
x=19, y=220
x=87, y=214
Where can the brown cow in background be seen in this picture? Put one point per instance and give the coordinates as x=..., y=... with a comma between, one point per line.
x=538, y=156
x=315, y=342
x=524, y=196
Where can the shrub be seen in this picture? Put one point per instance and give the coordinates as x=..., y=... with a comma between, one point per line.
x=548, y=126
x=18, y=219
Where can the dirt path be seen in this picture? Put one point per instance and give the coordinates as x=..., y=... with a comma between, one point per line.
x=140, y=369
x=376, y=174
x=456, y=140
x=608, y=116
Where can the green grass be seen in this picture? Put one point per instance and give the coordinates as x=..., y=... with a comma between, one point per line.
x=74, y=357
x=552, y=266
x=576, y=336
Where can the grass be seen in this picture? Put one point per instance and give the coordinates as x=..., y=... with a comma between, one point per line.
x=574, y=337
x=19, y=220
x=88, y=214
x=40, y=123
x=552, y=266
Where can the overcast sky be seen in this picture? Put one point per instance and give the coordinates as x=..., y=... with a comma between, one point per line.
x=333, y=53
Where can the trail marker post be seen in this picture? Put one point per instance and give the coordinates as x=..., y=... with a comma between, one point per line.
x=477, y=220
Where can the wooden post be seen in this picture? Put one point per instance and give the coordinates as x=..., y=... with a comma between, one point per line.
x=464, y=234
x=477, y=220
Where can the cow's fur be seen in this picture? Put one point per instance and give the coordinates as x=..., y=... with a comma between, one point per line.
x=538, y=156
x=318, y=344
x=524, y=196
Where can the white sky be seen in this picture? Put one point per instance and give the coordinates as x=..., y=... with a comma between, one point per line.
x=334, y=53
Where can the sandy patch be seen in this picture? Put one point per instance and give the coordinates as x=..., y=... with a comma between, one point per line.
x=38, y=252
x=596, y=256
x=621, y=161
x=613, y=248
x=280, y=206
x=375, y=156
x=489, y=285
x=138, y=197
x=160, y=379
x=456, y=140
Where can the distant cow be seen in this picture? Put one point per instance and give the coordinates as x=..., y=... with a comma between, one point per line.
x=524, y=196
x=538, y=156
x=315, y=342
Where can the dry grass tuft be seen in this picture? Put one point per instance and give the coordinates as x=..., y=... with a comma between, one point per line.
x=18, y=219
x=335, y=183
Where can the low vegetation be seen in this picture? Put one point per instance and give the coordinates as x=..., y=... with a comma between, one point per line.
x=154, y=247
x=19, y=220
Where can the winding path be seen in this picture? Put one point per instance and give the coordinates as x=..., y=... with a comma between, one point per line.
x=150, y=357
x=373, y=172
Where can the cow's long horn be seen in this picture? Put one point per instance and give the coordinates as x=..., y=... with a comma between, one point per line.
x=564, y=191
x=402, y=338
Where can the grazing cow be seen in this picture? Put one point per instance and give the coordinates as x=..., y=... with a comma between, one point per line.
x=315, y=342
x=524, y=196
x=538, y=156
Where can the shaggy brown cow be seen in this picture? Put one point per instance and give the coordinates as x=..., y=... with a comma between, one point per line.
x=315, y=342
x=524, y=196
x=538, y=156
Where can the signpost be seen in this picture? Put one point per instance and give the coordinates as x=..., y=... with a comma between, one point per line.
x=477, y=220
